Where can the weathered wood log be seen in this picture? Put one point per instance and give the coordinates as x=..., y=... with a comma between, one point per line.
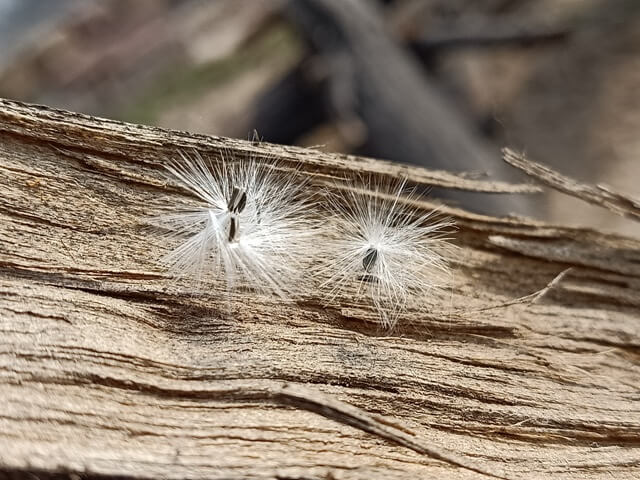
x=597, y=195
x=108, y=368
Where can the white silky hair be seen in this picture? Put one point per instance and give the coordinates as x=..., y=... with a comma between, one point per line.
x=251, y=228
x=390, y=252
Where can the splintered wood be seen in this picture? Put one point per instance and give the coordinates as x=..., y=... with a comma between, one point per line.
x=112, y=368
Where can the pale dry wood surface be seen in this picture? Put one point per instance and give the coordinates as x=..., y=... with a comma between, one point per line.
x=600, y=195
x=110, y=368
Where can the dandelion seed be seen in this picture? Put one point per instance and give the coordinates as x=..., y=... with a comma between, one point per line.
x=249, y=228
x=383, y=250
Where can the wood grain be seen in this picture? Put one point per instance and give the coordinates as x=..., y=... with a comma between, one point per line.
x=600, y=195
x=108, y=367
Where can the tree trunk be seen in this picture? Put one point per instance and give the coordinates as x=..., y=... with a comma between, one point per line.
x=109, y=368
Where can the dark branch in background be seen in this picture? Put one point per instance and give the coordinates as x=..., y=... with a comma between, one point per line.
x=380, y=99
x=291, y=108
x=486, y=35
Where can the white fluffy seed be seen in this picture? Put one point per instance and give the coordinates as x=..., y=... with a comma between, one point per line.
x=250, y=227
x=384, y=251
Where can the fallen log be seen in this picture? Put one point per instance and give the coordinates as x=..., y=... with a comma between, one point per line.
x=528, y=367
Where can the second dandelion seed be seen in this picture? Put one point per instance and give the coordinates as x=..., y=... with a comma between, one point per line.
x=383, y=250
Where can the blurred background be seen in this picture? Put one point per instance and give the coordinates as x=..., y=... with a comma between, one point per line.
x=439, y=83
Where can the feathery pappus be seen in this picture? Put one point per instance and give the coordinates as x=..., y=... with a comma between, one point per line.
x=249, y=228
x=384, y=250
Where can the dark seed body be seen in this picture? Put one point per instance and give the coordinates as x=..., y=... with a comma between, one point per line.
x=233, y=228
x=370, y=259
x=238, y=200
